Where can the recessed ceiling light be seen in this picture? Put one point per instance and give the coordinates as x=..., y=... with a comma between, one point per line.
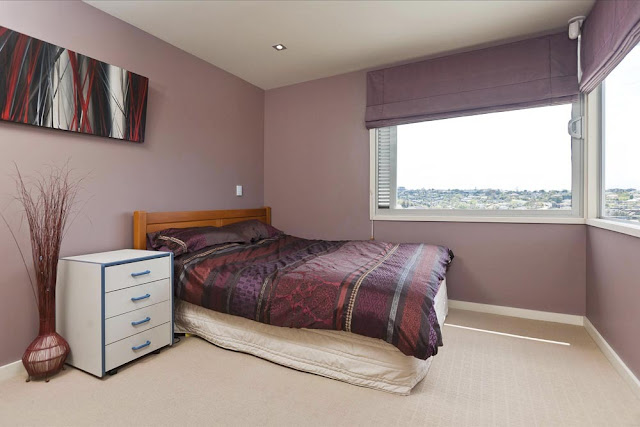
x=279, y=47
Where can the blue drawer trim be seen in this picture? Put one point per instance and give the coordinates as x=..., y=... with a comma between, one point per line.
x=129, y=261
x=103, y=318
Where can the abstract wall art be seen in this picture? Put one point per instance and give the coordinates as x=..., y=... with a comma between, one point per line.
x=46, y=85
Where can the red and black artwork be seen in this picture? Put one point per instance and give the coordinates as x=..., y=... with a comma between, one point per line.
x=46, y=85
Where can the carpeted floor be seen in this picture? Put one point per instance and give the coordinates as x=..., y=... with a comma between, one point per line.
x=477, y=379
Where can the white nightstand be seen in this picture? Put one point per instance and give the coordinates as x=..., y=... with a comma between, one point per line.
x=114, y=307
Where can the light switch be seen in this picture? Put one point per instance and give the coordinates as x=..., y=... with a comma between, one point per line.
x=238, y=190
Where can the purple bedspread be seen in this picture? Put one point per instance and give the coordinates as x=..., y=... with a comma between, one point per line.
x=376, y=289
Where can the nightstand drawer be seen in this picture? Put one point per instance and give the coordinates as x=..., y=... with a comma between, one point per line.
x=134, y=322
x=136, y=273
x=123, y=351
x=136, y=297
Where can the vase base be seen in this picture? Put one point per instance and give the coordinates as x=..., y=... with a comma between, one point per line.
x=45, y=356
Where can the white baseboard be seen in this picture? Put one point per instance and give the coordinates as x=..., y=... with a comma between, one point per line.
x=12, y=370
x=547, y=316
x=613, y=357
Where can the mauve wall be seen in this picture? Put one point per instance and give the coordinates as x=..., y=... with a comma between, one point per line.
x=204, y=136
x=317, y=182
x=613, y=291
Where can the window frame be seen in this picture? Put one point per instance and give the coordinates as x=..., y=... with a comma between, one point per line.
x=574, y=216
x=594, y=186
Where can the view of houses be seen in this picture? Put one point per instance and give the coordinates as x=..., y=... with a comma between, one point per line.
x=483, y=199
x=619, y=204
x=622, y=204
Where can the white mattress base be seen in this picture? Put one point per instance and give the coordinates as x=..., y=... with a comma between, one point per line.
x=340, y=355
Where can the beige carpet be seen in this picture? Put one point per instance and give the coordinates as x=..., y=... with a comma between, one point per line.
x=477, y=379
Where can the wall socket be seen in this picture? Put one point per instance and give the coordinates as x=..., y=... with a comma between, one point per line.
x=238, y=190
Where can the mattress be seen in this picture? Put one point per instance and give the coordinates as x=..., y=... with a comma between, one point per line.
x=344, y=356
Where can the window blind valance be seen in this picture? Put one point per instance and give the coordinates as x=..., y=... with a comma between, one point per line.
x=610, y=31
x=529, y=73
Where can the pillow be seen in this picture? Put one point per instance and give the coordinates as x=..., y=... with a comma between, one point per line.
x=253, y=230
x=184, y=240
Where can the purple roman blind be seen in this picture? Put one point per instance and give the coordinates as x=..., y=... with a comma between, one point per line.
x=610, y=31
x=534, y=72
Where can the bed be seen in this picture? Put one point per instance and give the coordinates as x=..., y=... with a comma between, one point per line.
x=310, y=344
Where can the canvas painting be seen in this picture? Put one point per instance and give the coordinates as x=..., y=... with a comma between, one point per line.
x=46, y=85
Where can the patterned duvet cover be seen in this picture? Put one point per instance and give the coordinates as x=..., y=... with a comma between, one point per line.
x=376, y=289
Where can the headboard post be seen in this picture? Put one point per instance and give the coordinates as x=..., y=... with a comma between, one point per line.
x=268, y=214
x=140, y=230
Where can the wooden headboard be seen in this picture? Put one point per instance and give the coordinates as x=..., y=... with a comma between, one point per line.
x=148, y=222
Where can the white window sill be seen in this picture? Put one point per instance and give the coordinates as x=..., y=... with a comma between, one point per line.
x=617, y=226
x=506, y=219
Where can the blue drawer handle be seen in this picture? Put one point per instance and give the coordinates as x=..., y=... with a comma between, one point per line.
x=139, y=298
x=142, y=273
x=138, y=347
x=140, y=322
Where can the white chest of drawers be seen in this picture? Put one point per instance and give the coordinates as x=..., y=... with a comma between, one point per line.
x=114, y=307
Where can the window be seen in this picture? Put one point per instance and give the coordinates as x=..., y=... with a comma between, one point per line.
x=515, y=163
x=620, y=166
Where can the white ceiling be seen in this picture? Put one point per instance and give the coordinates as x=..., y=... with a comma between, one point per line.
x=326, y=38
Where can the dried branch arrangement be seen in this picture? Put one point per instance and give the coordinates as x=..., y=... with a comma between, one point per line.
x=48, y=201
